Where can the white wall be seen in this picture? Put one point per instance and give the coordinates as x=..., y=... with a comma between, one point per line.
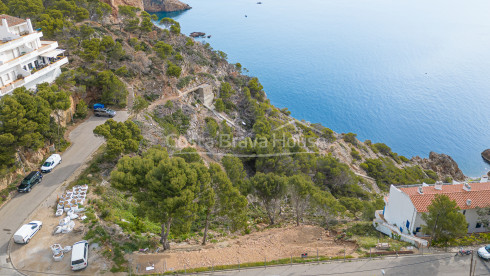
x=399, y=210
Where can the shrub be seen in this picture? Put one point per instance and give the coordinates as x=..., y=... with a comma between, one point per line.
x=173, y=70
x=350, y=138
x=81, y=109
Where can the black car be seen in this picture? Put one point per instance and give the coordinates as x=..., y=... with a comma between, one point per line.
x=105, y=112
x=30, y=180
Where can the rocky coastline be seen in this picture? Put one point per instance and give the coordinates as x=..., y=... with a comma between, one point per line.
x=486, y=155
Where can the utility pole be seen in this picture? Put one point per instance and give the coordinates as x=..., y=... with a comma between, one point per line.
x=471, y=264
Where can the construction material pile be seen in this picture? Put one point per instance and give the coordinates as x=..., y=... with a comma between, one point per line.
x=71, y=199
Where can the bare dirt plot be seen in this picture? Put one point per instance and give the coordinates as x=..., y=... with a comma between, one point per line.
x=37, y=255
x=271, y=244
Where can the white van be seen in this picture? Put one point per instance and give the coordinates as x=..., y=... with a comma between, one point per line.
x=27, y=231
x=79, y=255
x=50, y=163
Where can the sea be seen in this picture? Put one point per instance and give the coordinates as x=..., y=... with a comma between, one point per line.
x=413, y=74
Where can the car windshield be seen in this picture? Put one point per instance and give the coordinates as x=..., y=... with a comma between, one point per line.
x=77, y=262
x=23, y=185
x=24, y=182
x=488, y=248
x=47, y=164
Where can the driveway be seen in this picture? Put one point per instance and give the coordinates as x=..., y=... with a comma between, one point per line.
x=14, y=213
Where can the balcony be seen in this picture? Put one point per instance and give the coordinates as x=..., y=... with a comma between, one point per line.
x=30, y=78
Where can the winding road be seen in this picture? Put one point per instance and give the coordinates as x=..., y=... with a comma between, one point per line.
x=14, y=213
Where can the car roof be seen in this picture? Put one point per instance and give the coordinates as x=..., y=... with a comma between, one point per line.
x=78, y=251
x=31, y=174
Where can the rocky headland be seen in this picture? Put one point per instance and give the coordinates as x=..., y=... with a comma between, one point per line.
x=486, y=155
x=442, y=164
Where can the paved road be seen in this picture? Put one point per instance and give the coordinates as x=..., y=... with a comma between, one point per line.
x=432, y=265
x=15, y=212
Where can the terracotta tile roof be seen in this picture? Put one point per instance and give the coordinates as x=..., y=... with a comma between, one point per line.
x=11, y=21
x=479, y=195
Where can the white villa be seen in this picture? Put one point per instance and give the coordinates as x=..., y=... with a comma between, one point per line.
x=25, y=60
x=402, y=214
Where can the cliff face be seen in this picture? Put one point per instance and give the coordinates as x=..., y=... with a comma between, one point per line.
x=164, y=5
x=116, y=3
x=442, y=164
x=149, y=5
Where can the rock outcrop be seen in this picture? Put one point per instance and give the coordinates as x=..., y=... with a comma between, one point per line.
x=164, y=5
x=486, y=155
x=149, y=5
x=116, y=3
x=442, y=164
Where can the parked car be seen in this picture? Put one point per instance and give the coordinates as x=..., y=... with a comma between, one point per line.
x=30, y=180
x=27, y=231
x=484, y=252
x=104, y=112
x=79, y=255
x=52, y=161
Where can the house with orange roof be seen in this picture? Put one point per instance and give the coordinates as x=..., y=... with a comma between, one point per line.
x=405, y=204
x=25, y=59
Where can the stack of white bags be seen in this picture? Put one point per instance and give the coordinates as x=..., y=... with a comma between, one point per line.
x=72, y=198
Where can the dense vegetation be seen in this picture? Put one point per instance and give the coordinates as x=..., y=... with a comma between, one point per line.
x=277, y=173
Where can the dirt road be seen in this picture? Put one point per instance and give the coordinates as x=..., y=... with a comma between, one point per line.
x=14, y=213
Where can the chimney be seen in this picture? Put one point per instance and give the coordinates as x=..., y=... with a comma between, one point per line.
x=468, y=202
x=438, y=186
x=421, y=191
x=466, y=187
x=4, y=23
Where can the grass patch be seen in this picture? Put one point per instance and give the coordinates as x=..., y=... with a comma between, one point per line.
x=295, y=260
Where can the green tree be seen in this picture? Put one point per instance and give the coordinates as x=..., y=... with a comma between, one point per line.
x=443, y=221
x=190, y=155
x=231, y=203
x=220, y=106
x=121, y=137
x=235, y=171
x=162, y=49
x=256, y=89
x=269, y=189
x=25, y=8
x=173, y=70
x=301, y=190
x=3, y=8
x=165, y=188
x=112, y=89
x=354, y=205
x=81, y=109
x=226, y=90
x=58, y=100
x=350, y=138
x=171, y=24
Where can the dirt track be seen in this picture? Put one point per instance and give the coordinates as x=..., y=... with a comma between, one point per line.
x=273, y=244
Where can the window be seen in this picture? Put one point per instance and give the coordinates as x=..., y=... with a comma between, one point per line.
x=30, y=65
x=408, y=224
x=464, y=212
x=417, y=229
x=478, y=225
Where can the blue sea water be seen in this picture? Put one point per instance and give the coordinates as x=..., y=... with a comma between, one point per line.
x=414, y=74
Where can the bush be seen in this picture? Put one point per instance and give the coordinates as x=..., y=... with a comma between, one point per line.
x=220, y=106
x=139, y=104
x=173, y=70
x=383, y=148
x=350, y=138
x=183, y=82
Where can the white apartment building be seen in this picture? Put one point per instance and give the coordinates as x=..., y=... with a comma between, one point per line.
x=25, y=60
